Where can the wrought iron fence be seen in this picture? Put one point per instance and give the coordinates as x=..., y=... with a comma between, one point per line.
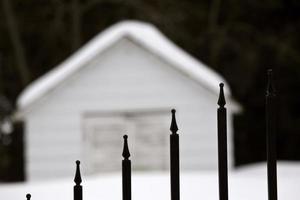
x=222, y=152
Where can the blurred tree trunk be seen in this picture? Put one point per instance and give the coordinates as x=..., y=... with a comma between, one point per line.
x=18, y=48
x=216, y=34
x=1, y=74
x=76, y=24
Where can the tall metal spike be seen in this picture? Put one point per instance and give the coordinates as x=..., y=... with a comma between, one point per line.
x=221, y=100
x=222, y=146
x=126, y=153
x=126, y=171
x=77, y=178
x=28, y=196
x=174, y=159
x=173, y=127
x=271, y=121
x=270, y=87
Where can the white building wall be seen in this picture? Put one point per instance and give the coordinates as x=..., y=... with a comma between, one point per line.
x=123, y=78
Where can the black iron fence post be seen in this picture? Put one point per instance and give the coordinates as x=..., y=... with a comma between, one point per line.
x=28, y=196
x=271, y=138
x=174, y=158
x=222, y=152
x=126, y=171
x=222, y=146
x=77, y=187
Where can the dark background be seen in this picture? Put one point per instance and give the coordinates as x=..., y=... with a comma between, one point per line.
x=238, y=39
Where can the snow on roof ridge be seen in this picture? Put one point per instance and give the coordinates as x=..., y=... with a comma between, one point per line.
x=141, y=32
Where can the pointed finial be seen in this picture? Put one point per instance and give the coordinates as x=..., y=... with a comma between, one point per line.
x=173, y=127
x=125, y=153
x=77, y=178
x=28, y=196
x=221, y=100
x=270, y=87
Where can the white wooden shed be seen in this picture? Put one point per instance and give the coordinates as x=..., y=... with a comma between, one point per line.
x=124, y=81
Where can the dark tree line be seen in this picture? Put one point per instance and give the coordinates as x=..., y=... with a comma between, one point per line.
x=239, y=39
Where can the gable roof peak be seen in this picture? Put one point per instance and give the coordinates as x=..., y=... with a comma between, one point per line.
x=144, y=34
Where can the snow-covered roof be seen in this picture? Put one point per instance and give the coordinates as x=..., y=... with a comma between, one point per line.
x=144, y=34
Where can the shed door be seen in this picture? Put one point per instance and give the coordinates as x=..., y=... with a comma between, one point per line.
x=102, y=142
x=151, y=142
x=148, y=141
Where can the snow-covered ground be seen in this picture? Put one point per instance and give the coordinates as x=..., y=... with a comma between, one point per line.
x=247, y=183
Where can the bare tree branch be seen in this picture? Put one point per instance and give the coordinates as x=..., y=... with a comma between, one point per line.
x=14, y=34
